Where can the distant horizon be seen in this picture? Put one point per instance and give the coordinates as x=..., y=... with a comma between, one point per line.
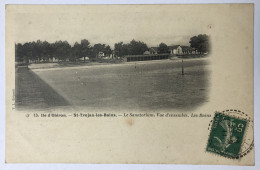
x=111, y=46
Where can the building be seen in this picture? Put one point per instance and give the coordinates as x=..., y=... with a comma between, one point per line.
x=147, y=53
x=180, y=50
x=100, y=54
x=175, y=49
x=188, y=50
x=153, y=50
x=84, y=58
x=112, y=55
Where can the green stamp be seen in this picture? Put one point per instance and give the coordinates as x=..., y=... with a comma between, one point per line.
x=226, y=135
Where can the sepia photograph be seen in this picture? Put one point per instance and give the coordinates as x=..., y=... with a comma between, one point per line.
x=110, y=59
x=130, y=84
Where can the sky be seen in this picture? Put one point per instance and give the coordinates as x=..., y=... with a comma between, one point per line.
x=108, y=24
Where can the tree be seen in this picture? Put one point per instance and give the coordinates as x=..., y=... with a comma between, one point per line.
x=98, y=48
x=132, y=48
x=62, y=50
x=75, y=51
x=49, y=50
x=163, y=48
x=29, y=51
x=200, y=43
x=85, y=48
x=137, y=47
x=45, y=50
x=19, y=52
x=125, y=49
x=119, y=49
x=107, y=50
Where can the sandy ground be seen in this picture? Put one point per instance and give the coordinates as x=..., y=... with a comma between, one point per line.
x=142, y=86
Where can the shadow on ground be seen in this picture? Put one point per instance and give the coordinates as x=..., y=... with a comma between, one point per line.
x=31, y=92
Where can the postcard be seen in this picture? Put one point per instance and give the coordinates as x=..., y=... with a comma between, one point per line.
x=130, y=84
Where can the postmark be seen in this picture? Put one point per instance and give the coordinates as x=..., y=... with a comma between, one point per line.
x=231, y=134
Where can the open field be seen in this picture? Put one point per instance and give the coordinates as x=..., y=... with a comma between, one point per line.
x=144, y=86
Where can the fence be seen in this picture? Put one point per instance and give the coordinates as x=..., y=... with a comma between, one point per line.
x=131, y=58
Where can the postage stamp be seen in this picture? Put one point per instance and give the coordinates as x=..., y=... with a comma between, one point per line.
x=228, y=135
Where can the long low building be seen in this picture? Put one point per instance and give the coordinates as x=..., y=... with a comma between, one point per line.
x=131, y=58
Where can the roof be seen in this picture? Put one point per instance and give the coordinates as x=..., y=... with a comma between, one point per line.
x=173, y=47
x=146, y=53
x=184, y=48
x=154, y=48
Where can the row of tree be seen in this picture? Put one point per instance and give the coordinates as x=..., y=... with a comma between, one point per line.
x=132, y=48
x=62, y=50
x=137, y=48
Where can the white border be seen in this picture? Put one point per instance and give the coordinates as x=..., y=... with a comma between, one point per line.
x=127, y=166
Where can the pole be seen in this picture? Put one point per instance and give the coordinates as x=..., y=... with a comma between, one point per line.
x=182, y=69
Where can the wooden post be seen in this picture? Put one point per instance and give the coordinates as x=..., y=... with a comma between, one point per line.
x=182, y=69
